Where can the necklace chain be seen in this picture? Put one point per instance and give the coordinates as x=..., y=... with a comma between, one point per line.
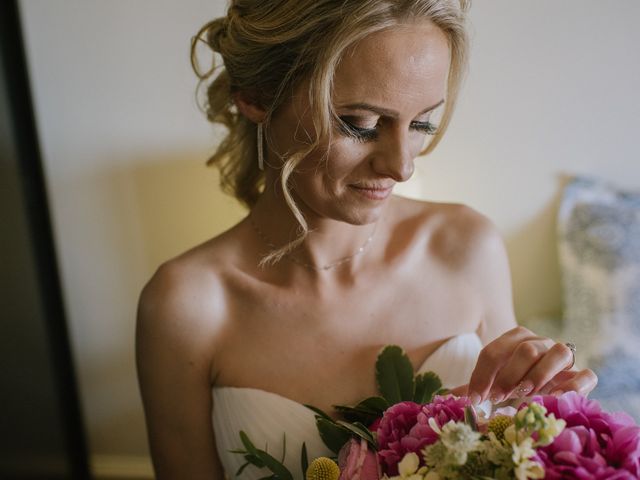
x=329, y=266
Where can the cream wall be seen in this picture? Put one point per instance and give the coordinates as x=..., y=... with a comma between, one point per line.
x=552, y=90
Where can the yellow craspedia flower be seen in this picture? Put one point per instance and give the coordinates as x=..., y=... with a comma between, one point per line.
x=323, y=468
x=499, y=424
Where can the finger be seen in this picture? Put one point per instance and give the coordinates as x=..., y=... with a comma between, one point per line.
x=582, y=382
x=514, y=377
x=555, y=360
x=560, y=378
x=491, y=359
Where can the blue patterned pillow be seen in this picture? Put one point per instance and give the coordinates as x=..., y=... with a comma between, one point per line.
x=599, y=250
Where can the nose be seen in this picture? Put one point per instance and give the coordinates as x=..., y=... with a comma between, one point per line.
x=395, y=158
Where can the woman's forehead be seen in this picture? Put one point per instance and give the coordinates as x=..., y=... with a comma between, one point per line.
x=409, y=63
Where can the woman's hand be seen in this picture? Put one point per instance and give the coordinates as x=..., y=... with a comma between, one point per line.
x=520, y=363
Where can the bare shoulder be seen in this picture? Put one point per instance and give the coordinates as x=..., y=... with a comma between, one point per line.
x=184, y=301
x=455, y=234
x=469, y=245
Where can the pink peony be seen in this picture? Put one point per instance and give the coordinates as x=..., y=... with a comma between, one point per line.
x=394, y=426
x=594, y=445
x=405, y=428
x=357, y=462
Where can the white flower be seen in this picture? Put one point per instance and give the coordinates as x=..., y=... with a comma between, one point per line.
x=525, y=468
x=408, y=465
x=408, y=469
x=460, y=437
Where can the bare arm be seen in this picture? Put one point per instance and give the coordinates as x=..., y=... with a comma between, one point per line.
x=491, y=269
x=515, y=361
x=174, y=340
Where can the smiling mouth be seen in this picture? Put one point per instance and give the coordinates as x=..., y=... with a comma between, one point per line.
x=373, y=192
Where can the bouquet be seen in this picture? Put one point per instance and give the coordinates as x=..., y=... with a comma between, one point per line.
x=416, y=430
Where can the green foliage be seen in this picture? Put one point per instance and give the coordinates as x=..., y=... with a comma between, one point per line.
x=261, y=459
x=359, y=430
x=427, y=384
x=333, y=435
x=304, y=460
x=367, y=411
x=394, y=375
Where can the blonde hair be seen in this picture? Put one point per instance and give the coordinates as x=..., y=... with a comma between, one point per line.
x=269, y=46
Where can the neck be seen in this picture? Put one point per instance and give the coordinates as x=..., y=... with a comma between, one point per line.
x=331, y=245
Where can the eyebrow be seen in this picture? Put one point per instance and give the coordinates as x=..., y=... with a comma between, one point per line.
x=384, y=111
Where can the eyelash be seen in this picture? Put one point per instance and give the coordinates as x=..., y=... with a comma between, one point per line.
x=369, y=134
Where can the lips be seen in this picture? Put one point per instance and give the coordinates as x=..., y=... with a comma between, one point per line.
x=373, y=192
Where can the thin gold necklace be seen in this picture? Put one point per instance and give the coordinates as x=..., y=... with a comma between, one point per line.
x=267, y=241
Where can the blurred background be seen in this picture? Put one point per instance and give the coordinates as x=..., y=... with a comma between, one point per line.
x=552, y=93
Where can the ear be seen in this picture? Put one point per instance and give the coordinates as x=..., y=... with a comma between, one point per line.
x=248, y=106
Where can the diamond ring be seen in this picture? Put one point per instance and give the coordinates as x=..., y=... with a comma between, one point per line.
x=572, y=347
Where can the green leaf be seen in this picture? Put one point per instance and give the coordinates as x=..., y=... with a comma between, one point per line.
x=443, y=391
x=360, y=431
x=304, y=460
x=254, y=460
x=333, y=435
x=365, y=412
x=394, y=375
x=247, y=443
x=278, y=469
x=318, y=412
x=284, y=447
x=427, y=384
x=376, y=404
x=241, y=469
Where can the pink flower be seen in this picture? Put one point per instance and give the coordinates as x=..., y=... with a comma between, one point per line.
x=395, y=425
x=595, y=444
x=405, y=428
x=357, y=462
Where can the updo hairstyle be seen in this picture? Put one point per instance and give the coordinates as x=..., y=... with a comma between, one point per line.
x=268, y=47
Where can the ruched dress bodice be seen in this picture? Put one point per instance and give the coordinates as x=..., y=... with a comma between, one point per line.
x=266, y=416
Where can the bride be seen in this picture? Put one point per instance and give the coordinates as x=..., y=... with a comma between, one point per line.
x=328, y=103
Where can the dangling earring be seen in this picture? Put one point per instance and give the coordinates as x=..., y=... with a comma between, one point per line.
x=260, y=150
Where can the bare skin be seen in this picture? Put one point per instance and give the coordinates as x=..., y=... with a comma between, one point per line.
x=211, y=317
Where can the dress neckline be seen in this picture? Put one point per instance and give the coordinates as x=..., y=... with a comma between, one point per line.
x=273, y=395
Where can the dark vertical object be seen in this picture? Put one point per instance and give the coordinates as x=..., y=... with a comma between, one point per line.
x=40, y=421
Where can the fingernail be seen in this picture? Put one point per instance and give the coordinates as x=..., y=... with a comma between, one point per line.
x=524, y=388
x=557, y=393
x=475, y=398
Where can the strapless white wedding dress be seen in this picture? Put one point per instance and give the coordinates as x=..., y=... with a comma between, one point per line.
x=266, y=417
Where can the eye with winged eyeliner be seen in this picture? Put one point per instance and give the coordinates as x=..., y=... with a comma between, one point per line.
x=347, y=124
x=367, y=134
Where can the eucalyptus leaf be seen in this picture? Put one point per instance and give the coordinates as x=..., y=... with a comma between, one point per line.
x=254, y=460
x=284, y=447
x=360, y=431
x=247, y=443
x=319, y=412
x=333, y=435
x=394, y=375
x=427, y=384
x=241, y=469
x=304, y=460
x=354, y=414
x=278, y=469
